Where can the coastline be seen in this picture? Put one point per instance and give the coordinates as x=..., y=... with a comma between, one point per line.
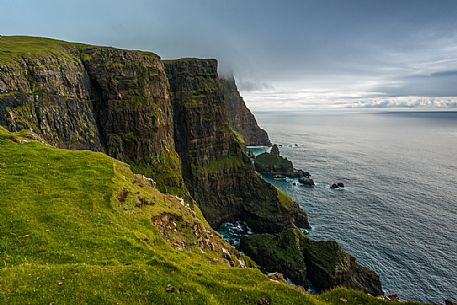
x=357, y=154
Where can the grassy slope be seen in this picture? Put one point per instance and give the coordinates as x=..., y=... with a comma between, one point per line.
x=13, y=47
x=66, y=238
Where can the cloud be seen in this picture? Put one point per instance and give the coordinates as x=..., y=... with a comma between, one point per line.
x=305, y=52
x=254, y=86
x=405, y=102
x=325, y=99
x=442, y=83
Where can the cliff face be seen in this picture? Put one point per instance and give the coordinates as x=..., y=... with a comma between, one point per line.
x=133, y=109
x=324, y=263
x=217, y=172
x=51, y=95
x=102, y=99
x=118, y=101
x=240, y=117
x=169, y=120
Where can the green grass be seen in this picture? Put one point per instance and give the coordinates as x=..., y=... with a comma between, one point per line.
x=71, y=232
x=238, y=136
x=284, y=199
x=66, y=237
x=13, y=47
x=185, y=59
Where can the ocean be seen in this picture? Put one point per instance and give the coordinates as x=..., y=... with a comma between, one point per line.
x=398, y=212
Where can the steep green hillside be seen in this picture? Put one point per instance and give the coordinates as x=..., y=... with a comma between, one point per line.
x=78, y=227
x=79, y=96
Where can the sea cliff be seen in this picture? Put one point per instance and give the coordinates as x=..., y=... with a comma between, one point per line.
x=216, y=170
x=169, y=120
x=240, y=117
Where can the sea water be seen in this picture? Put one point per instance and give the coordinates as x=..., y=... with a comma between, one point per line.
x=398, y=212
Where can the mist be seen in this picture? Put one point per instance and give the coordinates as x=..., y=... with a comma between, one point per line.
x=330, y=50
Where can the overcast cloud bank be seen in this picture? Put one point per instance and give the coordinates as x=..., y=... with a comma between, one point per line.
x=337, y=52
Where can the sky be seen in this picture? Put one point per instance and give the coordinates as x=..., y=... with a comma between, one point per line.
x=284, y=54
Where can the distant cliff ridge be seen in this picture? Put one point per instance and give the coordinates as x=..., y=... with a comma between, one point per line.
x=173, y=121
x=84, y=97
x=217, y=172
x=240, y=117
x=124, y=103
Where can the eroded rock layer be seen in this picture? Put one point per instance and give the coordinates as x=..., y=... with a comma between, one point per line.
x=118, y=101
x=217, y=172
x=324, y=263
x=240, y=117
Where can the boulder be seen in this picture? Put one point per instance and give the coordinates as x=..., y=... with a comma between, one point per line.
x=306, y=181
x=276, y=276
x=337, y=185
x=323, y=263
x=277, y=253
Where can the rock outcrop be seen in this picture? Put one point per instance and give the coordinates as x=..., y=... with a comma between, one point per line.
x=272, y=163
x=240, y=117
x=169, y=121
x=216, y=170
x=118, y=101
x=103, y=99
x=337, y=185
x=324, y=263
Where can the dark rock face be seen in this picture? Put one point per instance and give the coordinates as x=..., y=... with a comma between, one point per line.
x=118, y=102
x=50, y=95
x=96, y=98
x=134, y=112
x=217, y=172
x=324, y=263
x=240, y=117
x=274, y=164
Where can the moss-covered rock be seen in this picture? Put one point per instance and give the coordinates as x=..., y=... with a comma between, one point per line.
x=87, y=97
x=217, y=172
x=272, y=163
x=324, y=263
x=240, y=117
x=278, y=253
x=133, y=108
